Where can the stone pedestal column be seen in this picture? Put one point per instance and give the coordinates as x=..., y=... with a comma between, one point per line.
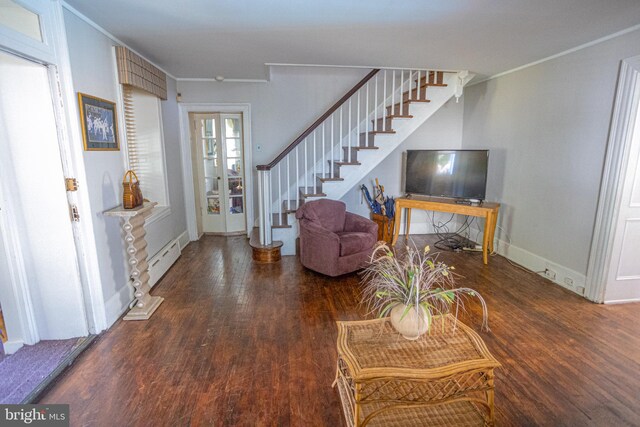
x=136, y=246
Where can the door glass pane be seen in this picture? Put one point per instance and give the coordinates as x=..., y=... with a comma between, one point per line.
x=17, y=18
x=232, y=128
x=235, y=186
x=235, y=205
x=209, y=147
x=234, y=147
x=208, y=128
x=234, y=167
x=213, y=205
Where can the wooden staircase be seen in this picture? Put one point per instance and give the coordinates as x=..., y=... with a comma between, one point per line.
x=385, y=127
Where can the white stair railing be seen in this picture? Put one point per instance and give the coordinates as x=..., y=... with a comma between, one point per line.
x=315, y=156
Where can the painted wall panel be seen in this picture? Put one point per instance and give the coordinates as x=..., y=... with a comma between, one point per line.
x=547, y=128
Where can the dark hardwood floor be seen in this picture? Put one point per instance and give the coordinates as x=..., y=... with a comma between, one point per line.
x=240, y=343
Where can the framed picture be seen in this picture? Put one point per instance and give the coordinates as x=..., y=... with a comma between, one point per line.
x=99, y=123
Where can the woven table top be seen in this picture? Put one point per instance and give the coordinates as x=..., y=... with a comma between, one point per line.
x=373, y=348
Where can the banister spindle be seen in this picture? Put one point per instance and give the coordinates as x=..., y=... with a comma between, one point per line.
x=324, y=163
x=349, y=130
x=305, y=168
x=297, y=178
x=288, y=184
x=313, y=167
x=384, y=100
x=366, y=121
x=340, y=133
x=401, y=112
x=393, y=92
x=332, y=148
x=279, y=195
x=376, y=126
x=358, y=120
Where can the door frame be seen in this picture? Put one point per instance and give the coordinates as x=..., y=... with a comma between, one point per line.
x=613, y=177
x=187, y=167
x=54, y=54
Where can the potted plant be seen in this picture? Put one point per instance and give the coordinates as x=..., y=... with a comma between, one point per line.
x=413, y=289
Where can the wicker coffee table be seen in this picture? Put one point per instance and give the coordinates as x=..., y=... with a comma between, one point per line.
x=445, y=378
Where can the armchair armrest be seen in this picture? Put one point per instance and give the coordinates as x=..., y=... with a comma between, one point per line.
x=360, y=224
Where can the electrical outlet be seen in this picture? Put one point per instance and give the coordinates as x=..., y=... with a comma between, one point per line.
x=550, y=274
x=568, y=281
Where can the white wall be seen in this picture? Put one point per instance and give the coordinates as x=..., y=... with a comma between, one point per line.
x=280, y=109
x=547, y=128
x=443, y=130
x=92, y=68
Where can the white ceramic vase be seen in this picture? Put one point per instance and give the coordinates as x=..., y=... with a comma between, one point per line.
x=412, y=325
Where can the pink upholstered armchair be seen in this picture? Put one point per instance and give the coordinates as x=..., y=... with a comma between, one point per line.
x=332, y=240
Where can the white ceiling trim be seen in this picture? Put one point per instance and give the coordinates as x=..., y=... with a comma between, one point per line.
x=563, y=53
x=111, y=36
x=208, y=79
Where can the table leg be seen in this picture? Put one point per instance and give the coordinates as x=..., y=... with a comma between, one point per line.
x=396, y=225
x=485, y=238
x=406, y=234
x=494, y=222
x=490, y=398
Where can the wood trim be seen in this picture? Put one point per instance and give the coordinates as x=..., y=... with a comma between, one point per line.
x=318, y=122
x=617, y=157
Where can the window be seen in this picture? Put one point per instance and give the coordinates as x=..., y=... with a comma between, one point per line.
x=145, y=151
x=143, y=87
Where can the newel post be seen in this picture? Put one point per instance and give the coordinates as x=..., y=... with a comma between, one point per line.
x=264, y=205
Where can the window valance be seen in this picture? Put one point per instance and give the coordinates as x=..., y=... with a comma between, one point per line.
x=139, y=73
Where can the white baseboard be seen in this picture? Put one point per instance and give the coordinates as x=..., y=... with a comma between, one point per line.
x=118, y=304
x=184, y=239
x=565, y=277
x=11, y=346
x=622, y=301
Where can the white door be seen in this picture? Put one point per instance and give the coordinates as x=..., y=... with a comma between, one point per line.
x=33, y=199
x=623, y=281
x=220, y=171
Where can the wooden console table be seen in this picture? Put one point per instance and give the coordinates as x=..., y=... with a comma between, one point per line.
x=444, y=378
x=133, y=228
x=486, y=210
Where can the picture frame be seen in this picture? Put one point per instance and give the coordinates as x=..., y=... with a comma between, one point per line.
x=99, y=123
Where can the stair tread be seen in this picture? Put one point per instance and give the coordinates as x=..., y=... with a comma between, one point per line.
x=373, y=132
x=362, y=147
x=341, y=163
x=311, y=192
x=293, y=205
x=399, y=116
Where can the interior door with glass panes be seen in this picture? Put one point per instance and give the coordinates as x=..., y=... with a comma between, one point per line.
x=220, y=172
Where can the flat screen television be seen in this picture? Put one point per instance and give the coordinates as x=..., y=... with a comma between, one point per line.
x=459, y=174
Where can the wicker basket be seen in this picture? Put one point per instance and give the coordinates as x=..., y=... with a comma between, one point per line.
x=131, y=195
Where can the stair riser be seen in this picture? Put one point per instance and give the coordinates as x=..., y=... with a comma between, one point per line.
x=354, y=154
x=383, y=124
x=415, y=95
x=366, y=143
x=397, y=111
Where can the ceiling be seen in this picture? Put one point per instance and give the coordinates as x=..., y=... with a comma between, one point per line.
x=235, y=38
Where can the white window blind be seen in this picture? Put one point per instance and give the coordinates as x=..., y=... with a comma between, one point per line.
x=145, y=142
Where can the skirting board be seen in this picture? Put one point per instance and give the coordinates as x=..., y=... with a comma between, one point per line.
x=565, y=277
x=183, y=239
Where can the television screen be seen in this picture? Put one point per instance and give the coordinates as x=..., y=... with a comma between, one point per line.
x=460, y=174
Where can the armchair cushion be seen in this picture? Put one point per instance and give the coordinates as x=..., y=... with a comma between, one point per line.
x=330, y=213
x=352, y=242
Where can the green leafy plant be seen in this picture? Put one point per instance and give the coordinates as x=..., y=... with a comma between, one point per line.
x=415, y=279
